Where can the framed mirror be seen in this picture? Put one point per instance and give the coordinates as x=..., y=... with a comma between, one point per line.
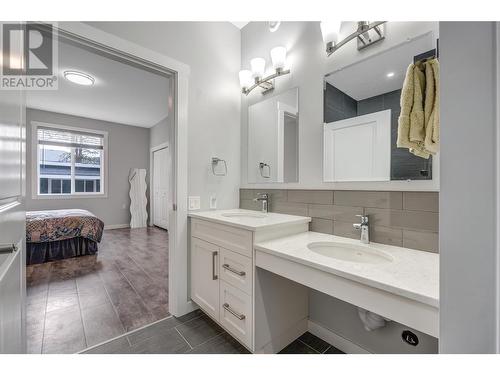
x=273, y=139
x=361, y=111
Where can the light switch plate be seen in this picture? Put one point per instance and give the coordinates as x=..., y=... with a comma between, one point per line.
x=213, y=202
x=194, y=203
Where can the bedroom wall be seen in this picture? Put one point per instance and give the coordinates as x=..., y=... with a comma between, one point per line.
x=212, y=51
x=128, y=147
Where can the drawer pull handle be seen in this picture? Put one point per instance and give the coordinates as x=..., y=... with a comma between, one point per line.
x=8, y=248
x=230, y=310
x=230, y=269
x=214, y=275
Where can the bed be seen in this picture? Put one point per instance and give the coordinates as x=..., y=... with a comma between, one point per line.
x=60, y=234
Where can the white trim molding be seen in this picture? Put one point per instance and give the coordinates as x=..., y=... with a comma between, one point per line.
x=116, y=226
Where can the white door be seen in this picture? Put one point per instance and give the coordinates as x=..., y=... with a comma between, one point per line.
x=12, y=223
x=204, y=276
x=160, y=188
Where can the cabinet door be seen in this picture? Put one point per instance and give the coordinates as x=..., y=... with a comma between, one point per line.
x=11, y=332
x=204, y=278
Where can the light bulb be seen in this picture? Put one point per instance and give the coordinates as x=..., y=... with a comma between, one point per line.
x=278, y=56
x=330, y=31
x=258, y=65
x=246, y=79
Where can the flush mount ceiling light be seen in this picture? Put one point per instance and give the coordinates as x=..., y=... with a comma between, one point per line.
x=366, y=34
x=249, y=80
x=79, y=78
x=390, y=74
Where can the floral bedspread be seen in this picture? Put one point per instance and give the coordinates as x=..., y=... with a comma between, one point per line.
x=56, y=225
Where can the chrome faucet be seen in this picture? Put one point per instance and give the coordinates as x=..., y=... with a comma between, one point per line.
x=363, y=226
x=264, y=198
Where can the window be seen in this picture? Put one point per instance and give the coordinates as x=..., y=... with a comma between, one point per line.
x=70, y=161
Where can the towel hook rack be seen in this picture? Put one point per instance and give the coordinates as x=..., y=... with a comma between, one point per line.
x=262, y=166
x=215, y=163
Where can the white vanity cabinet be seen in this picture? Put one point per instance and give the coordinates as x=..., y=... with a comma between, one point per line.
x=221, y=275
x=223, y=265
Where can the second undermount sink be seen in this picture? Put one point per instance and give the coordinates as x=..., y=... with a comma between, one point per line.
x=243, y=215
x=349, y=252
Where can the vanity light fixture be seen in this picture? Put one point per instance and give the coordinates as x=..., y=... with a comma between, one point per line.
x=249, y=80
x=79, y=78
x=366, y=34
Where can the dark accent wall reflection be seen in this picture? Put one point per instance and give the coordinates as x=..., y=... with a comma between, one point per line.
x=340, y=106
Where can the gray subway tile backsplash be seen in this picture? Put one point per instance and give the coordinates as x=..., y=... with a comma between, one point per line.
x=408, y=219
x=321, y=225
x=334, y=212
x=427, y=241
x=377, y=199
x=421, y=201
x=311, y=196
x=404, y=219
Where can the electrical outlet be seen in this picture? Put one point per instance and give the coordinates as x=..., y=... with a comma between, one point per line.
x=213, y=202
x=194, y=203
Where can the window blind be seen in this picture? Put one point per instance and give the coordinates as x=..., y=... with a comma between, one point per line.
x=70, y=138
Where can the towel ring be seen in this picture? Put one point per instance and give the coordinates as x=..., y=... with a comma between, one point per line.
x=263, y=165
x=215, y=163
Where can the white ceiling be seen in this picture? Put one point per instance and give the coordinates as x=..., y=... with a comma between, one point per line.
x=368, y=77
x=122, y=93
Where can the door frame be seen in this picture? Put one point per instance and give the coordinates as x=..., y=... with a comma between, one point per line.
x=152, y=150
x=178, y=297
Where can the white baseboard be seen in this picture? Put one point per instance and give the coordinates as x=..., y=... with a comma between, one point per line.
x=116, y=226
x=334, y=339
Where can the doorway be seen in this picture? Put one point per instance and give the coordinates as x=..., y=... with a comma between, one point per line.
x=160, y=176
x=126, y=288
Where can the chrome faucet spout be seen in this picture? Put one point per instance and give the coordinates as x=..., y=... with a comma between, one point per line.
x=264, y=198
x=364, y=228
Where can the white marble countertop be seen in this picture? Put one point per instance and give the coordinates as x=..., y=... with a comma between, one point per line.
x=258, y=220
x=412, y=273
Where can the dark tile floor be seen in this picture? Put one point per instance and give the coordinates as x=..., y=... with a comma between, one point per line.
x=196, y=333
x=77, y=303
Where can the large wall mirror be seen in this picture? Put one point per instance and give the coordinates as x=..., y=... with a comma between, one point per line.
x=361, y=111
x=273, y=139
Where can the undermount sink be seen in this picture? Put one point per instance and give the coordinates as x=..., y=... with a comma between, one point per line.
x=248, y=215
x=349, y=253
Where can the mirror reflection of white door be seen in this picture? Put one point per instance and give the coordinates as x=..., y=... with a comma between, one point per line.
x=160, y=188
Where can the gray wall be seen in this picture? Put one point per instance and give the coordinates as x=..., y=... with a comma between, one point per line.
x=468, y=192
x=212, y=51
x=161, y=132
x=407, y=219
x=128, y=147
x=309, y=64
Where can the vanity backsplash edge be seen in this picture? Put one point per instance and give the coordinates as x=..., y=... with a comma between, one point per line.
x=400, y=218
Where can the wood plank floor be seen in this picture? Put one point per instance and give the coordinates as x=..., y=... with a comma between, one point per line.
x=77, y=303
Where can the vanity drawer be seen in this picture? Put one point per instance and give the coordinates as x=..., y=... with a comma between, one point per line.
x=236, y=313
x=236, y=270
x=235, y=239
